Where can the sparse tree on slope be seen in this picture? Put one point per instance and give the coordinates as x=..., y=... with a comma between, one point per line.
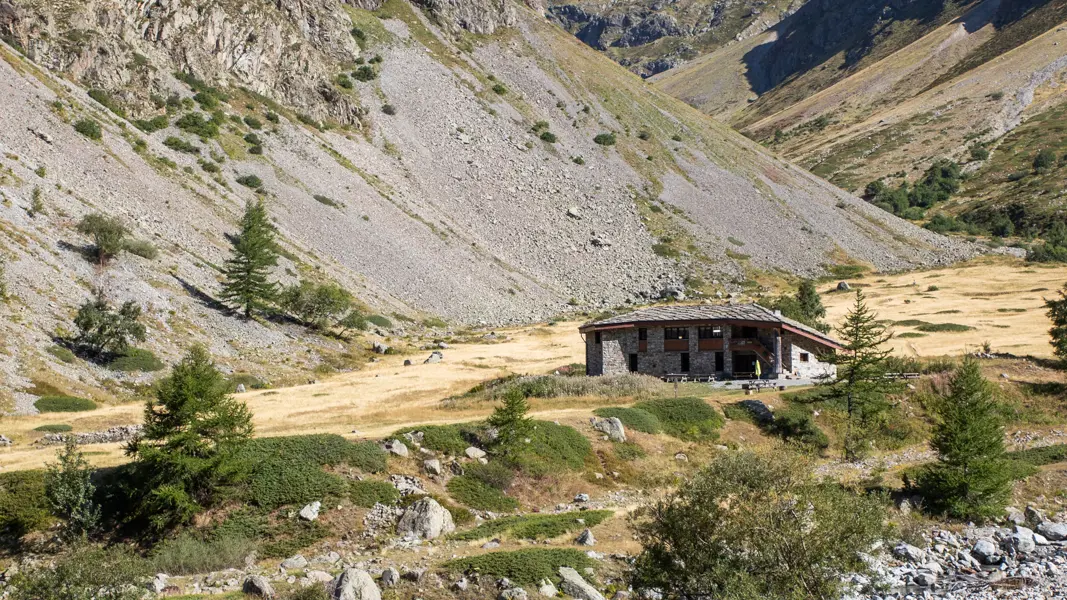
x=108, y=233
x=861, y=380
x=70, y=489
x=511, y=422
x=102, y=330
x=971, y=479
x=247, y=281
x=191, y=425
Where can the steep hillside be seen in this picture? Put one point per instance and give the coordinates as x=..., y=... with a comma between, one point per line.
x=437, y=164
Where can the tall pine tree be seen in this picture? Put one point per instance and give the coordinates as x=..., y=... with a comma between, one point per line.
x=191, y=425
x=806, y=306
x=861, y=379
x=511, y=423
x=247, y=281
x=971, y=479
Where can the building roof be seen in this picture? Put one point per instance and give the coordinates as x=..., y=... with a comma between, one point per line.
x=709, y=312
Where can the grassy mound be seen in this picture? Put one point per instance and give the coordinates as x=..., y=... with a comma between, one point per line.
x=535, y=527
x=63, y=404
x=633, y=418
x=525, y=567
x=54, y=428
x=136, y=360
x=689, y=419
x=796, y=423
x=449, y=439
x=23, y=505
x=553, y=448
x=558, y=386
x=1037, y=457
x=479, y=495
x=369, y=492
x=944, y=327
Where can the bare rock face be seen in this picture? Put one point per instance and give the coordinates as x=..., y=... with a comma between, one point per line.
x=426, y=519
x=355, y=584
x=476, y=16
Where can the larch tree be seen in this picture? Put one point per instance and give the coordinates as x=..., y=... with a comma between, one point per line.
x=247, y=282
x=511, y=422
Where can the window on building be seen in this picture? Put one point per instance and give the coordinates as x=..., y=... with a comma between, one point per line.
x=596, y=337
x=685, y=362
x=676, y=333
x=642, y=334
x=712, y=332
x=805, y=357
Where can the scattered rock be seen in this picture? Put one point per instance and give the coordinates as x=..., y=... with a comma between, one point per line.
x=547, y=589
x=379, y=348
x=908, y=552
x=843, y=286
x=240, y=388
x=513, y=594
x=295, y=562
x=435, y=357
x=474, y=453
x=681, y=457
x=986, y=552
x=611, y=426
x=1053, y=531
x=461, y=585
x=310, y=512
x=581, y=498
x=390, y=577
x=256, y=585
x=432, y=466
x=5, y=441
x=426, y=519
x=586, y=538
x=575, y=585
x=354, y=584
x=111, y=435
x=396, y=447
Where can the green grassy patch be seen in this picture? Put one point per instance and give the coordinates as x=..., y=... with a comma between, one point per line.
x=23, y=505
x=689, y=418
x=535, y=527
x=944, y=327
x=380, y=321
x=64, y=355
x=629, y=451
x=525, y=567
x=136, y=360
x=910, y=323
x=448, y=439
x=632, y=418
x=369, y=492
x=54, y=428
x=478, y=495
x=911, y=334
x=553, y=448
x=63, y=404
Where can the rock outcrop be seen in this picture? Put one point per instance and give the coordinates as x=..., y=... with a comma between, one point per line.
x=425, y=519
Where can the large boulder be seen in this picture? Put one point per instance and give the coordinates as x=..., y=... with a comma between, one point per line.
x=396, y=447
x=573, y=584
x=611, y=427
x=310, y=512
x=474, y=453
x=986, y=552
x=425, y=519
x=354, y=584
x=257, y=585
x=1053, y=531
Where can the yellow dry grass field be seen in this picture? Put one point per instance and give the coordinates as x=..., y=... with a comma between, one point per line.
x=1001, y=299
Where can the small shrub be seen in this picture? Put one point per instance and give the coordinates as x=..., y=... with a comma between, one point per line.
x=145, y=250
x=535, y=527
x=376, y=59
x=195, y=124
x=479, y=496
x=979, y=153
x=255, y=123
x=180, y=145
x=493, y=474
x=605, y=139
x=795, y=423
x=552, y=448
x=364, y=73
x=380, y=321
x=54, y=428
x=136, y=360
x=525, y=567
x=1044, y=161
x=389, y=109
x=84, y=572
x=250, y=181
x=63, y=404
x=685, y=418
x=344, y=81
x=273, y=117
x=677, y=137
x=257, y=149
x=446, y=439
x=108, y=102
x=152, y=125
x=644, y=134
x=23, y=505
x=188, y=554
x=548, y=136
x=62, y=354
x=944, y=327
x=578, y=160
x=253, y=139
x=633, y=418
x=629, y=451
x=499, y=89
x=210, y=167
x=89, y=128
x=369, y=492
x=327, y=201
x=206, y=100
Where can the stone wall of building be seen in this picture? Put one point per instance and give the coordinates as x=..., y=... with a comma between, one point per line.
x=793, y=346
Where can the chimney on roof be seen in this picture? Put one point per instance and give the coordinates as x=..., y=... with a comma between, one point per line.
x=777, y=312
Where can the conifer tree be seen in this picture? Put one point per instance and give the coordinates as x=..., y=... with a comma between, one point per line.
x=971, y=479
x=247, y=281
x=806, y=306
x=191, y=425
x=1057, y=313
x=861, y=374
x=511, y=422
x=69, y=489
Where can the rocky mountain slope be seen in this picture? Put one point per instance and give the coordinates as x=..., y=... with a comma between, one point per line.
x=437, y=160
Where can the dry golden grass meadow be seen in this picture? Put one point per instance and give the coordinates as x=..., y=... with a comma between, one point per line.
x=1002, y=299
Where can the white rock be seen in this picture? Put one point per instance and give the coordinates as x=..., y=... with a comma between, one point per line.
x=547, y=589
x=586, y=538
x=396, y=447
x=310, y=512
x=1053, y=531
x=390, y=577
x=473, y=452
x=257, y=585
x=432, y=466
x=986, y=552
x=612, y=427
x=295, y=562
x=354, y=584
x=426, y=519
x=575, y=585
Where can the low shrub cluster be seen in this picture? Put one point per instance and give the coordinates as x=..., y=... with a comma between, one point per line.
x=689, y=418
x=63, y=404
x=188, y=553
x=447, y=439
x=535, y=527
x=797, y=424
x=632, y=418
x=54, y=428
x=552, y=448
x=369, y=492
x=136, y=360
x=526, y=567
x=89, y=128
x=479, y=495
x=559, y=386
x=23, y=503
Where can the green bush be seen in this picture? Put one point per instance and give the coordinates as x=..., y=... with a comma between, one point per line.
x=525, y=567
x=389, y=109
x=327, y=201
x=253, y=122
x=605, y=139
x=944, y=327
x=380, y=321
x=796, y=423
x=447, y=439
x=136, y=360
x=54, y=428
x=23, y=504
x=108, y=102
x=629, y=451
x=685, y=418
x=250, y=181
x=89, y=128
x=84, y=573
x=145, y=250
x=552, y=448
x=63, y=404
x=548, y=136
x=152, y=125
x=493, y=474
x=500, y=89
x=180, y=145
x=369, y=492
x=364, y=73
x=1045, y=455
x=63, y=354
x=195, y=124
x=535, y=527
x=633, y=418
x=188, y=554
x=251, y=382
x=479, y=496
x=210, y=167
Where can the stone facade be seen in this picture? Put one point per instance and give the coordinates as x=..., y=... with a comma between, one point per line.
x=610, y=352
